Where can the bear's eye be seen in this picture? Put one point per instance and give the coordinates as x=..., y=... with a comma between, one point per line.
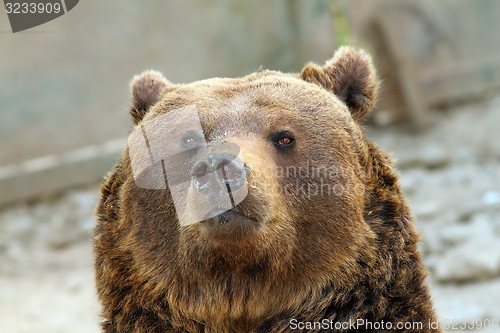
x=285, y=141
x=282, y=139
x=189, y=141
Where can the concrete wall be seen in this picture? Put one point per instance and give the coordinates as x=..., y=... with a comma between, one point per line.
x=430, y=53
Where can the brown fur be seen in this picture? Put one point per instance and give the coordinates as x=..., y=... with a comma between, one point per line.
x=146, y=90
x=349, y=75
x=344, y=255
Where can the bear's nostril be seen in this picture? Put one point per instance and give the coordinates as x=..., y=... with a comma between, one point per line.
x=226, y=173
x=231, y=174
x=200, y=170
x=201, y=174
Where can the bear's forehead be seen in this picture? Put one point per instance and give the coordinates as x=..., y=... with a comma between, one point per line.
x=259, y=102
x=264, y=88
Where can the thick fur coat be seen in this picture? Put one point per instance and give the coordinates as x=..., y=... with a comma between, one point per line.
x=323, y=236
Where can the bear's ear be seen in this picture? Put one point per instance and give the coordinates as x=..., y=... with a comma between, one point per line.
x=350, y=75
x=147, y=89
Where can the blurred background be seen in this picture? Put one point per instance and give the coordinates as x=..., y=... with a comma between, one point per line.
x=63, y=121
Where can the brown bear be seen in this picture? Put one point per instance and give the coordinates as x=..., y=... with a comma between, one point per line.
x=256, y=204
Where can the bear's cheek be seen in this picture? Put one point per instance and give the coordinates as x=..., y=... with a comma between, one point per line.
x=327, y=198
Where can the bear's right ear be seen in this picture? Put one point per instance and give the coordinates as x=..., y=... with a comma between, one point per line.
x=350, y=75
x=147, y=89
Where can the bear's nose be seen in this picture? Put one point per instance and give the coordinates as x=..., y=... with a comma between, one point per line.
x=218, y=172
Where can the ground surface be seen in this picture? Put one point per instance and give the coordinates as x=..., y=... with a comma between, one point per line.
x=450, y=174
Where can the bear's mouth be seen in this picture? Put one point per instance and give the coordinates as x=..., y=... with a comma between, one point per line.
x=231, y=225
x=231, y=215
x=227, y=215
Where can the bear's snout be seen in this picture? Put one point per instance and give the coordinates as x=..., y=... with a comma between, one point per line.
x=218, y=182
x=218, y=172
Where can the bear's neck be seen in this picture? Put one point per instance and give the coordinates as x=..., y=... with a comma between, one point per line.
x=242, y=300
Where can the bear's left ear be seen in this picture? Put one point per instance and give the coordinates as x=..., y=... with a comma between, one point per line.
x=350, y=75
